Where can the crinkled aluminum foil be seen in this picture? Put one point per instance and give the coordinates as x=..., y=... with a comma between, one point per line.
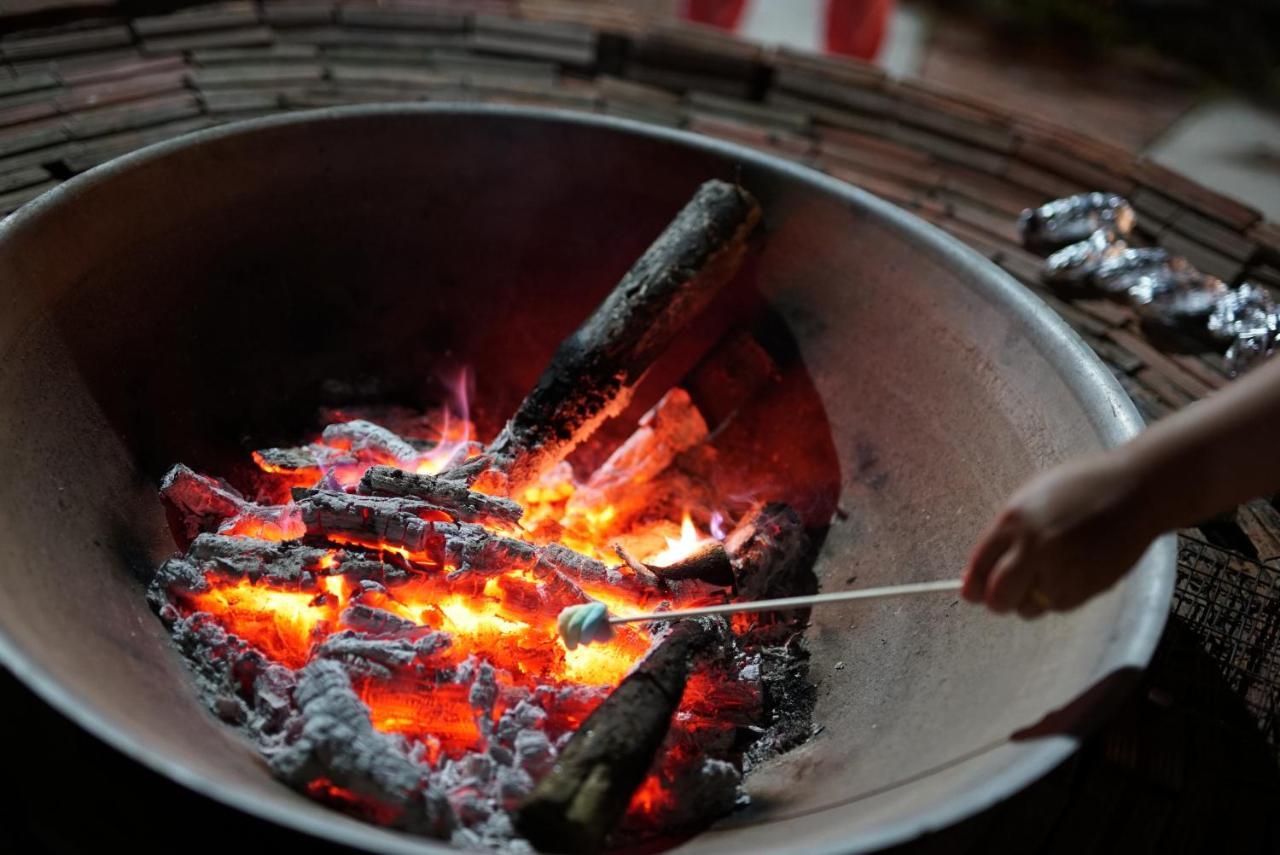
x=1088, y=231
x=1066, y=221
x=1245, y=316
x=1120, y=272
x=1177, y=295
x=1077, y=263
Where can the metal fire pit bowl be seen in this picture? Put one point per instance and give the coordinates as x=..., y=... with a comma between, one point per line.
x=181, y=303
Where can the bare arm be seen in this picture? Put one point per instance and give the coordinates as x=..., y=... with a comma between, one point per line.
x=1073, y=531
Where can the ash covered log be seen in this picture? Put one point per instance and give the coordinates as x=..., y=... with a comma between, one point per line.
x=377, y=656
x=588, y=789
x=375, y=521
x=285, y=564
x=337, y=742
x=594, y=371
x=367, y=440
x=461, y=503
x=196, y=503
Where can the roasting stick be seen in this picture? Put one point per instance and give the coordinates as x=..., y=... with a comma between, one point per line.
x=795, y=602
x=590, y=622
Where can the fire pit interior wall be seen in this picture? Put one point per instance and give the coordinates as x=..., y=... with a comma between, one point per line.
x=202, y=302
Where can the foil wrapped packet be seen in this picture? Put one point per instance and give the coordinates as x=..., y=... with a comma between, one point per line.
x=1075, y=218
x=1087, y=236
x=1078, y=263
x=1177, y=296
x=1121, y=271
x=1246, y=317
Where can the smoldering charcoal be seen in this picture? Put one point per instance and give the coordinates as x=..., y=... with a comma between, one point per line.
x=375, y=609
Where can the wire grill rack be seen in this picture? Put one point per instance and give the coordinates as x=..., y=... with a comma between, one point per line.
x=1232, y=604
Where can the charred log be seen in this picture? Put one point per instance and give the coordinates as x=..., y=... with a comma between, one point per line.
x=380, y=522
x=309, y=460
x=580, y=800
x=671, y=426
x=369, y=441
x=710, y=563
x=376, y=657
x=196, y=503
x=594, y=371
x=282, y=564
x=769, y=551
x=459, y=502
x=337, y=742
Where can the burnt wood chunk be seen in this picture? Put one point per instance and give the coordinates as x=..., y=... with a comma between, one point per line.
x=459, y=502
x=369, y=441
x=283, y=564
x=588, y=789
x=196, y=503
x=670, y=427
x=709, y=563
x=370, y=521
x=594, y=371
x=768, y=551
x=379, y=522
x=336, y=741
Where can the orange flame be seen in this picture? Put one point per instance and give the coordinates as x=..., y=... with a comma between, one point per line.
x=503, y=619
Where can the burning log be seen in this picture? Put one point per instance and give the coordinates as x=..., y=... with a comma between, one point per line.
x=367, y=440
x=378, y=657
x=588, y=789
x=709, y=563
x=308, y=460
x=370, y=521
x=404, y=524
x=671, y=426
x=594, y=371
x=337, y=742
x=289, y=565
x=196, y=503
x=759, y=559
x=454, y=498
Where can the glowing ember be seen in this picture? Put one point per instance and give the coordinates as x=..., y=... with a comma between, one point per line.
x=457, y=662
x=679, y=547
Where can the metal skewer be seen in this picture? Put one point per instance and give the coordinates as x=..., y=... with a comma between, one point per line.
x=796, y=602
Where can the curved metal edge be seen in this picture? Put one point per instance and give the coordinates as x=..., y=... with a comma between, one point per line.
x=1098, y=392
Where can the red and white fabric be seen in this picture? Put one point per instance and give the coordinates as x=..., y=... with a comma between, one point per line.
x=849, y=27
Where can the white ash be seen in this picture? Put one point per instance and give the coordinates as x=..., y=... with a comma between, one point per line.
x=337, y=741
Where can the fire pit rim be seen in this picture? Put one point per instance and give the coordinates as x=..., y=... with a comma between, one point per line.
x=1142, y=615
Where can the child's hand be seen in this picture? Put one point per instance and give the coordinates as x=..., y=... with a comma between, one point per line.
x=1066, y=535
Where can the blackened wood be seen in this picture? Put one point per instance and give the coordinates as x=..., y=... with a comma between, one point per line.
x=580, y=800
x=769, y=551
x=710, y=563
x=594, y=371
x=196, y=503
x=461, y=503
x=366, y=438
x=377, y=522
